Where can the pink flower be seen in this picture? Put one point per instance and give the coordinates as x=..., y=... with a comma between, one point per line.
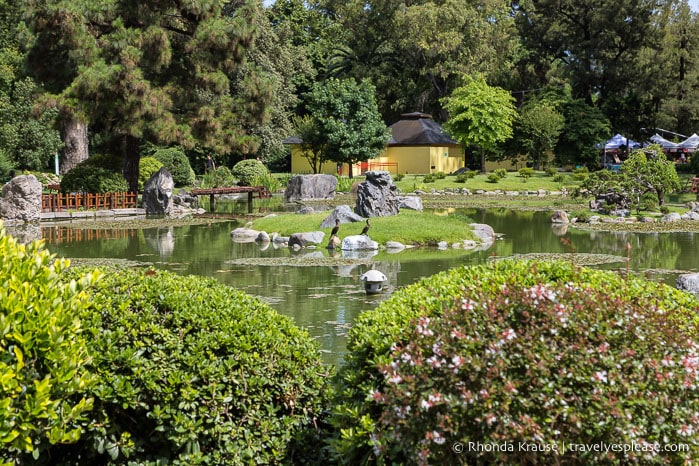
x=685, y=430
x=509, y=334
x=600, y=376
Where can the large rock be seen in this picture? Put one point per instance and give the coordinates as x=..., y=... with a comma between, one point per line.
x=410, y=202
x=560, y=216
x=484, y=232
x=688, y=282
x=344, y=214
x=21, y=199
x=309, y=187
x=302, y=239
x=358, y=243
x=377, y=196
x=157, y=193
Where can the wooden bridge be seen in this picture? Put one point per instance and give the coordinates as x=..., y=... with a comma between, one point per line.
x=262, y=193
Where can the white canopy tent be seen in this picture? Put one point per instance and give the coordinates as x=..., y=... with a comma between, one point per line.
x=691, y=143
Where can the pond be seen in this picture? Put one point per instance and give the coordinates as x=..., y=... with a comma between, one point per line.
x=323, y=293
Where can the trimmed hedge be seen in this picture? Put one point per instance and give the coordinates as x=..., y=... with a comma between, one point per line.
x=147, y=166
x=194, y=372
x=44, y=357
x=248, y=170
x=539, y=352
x=176, y=162
x=97, y=174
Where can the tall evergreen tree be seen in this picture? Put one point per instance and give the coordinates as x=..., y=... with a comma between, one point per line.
x=151, y=71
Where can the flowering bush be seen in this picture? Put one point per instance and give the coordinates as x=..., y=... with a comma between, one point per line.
x=523, y=363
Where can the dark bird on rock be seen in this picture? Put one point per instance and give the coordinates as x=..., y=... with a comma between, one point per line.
x=336, y=228
x=365, y=230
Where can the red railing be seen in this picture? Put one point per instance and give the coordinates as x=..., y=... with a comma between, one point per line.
x=57, y=235
x=87, y=201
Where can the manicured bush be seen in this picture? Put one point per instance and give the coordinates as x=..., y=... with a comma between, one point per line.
x=526, y=173
x=428, y=178
x=247, y=170
x=398, y=176
x=220, y=177
x=97, y=174
x=493, y=178
x=440, y=175
x=43, y=353
x=559, y=178
x=581, y=173
x=147, y=166
x=544, y=353
x=176, y=162
x=551, y=171
x=194, y=372
x=500, y=172
x=461, y=178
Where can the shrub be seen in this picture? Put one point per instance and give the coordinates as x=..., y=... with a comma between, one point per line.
x=461, y=178
x=43, y=352
x=583, y=215
x=551, y=171
x=493, y=178
x=97, y=174
x=194, y=372
x=537, y=352
x=428, y=178
x=344, y=184
x=269, y=181
x=440, y=175
x=581, y=173
x=399, y=176
x=220, y=177
x=176, y=162
x=664, y=210
x=500, y=172
x=247, y=170
x=559, y=178
x=146, y=167
x=526, y=173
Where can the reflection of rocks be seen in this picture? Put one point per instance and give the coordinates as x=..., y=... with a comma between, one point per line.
x=161, y=240
x=24, y=233
x=21, y=199
x=359, y=254
x=559, y=229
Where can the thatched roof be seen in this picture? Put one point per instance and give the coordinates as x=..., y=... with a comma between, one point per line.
x=416, y=129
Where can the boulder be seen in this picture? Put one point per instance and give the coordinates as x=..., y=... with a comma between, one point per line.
x=691, y=215
x=377, y=196
x=21, y=199
x=688, y=282
x=671, y=217
x=343, y=213
x=358, y=243
x=308, y=210
x=244, y=235
x=157, y=193
x=410, y=202
x=560, y=216
x=302, y=239
x=484, y=232
x=334, y=243
x=309, y=187
x=394, y=246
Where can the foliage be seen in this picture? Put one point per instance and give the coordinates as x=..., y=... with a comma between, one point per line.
x=193, y=372
x=493, y=178
x=398, y=176
x=344, y=184
x=176, y=162
x=147, y=167
x=649, y=170
x=439, y=175
x=480, y=115
x=348, y=119
x=558, y=177
x=461, y=178
x=540, y=125
x=95, y=175
x=526, y=173
x=163, y=72
x=312, y=146
x=267, y=180
x=218, y=178
x=44, y=375
x=246, y=171
x=429, y=367
x=551, y=171
x=581, y=173
x=429, y=178
x=500, y=172
x=585, y=126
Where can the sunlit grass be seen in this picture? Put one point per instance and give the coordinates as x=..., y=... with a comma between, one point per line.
x=511, y=182
x=408, y=227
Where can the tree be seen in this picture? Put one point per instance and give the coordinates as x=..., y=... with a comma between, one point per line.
x=349, y=120
x=312, y=140
x=156, y=72
x=540, y=125
x=480, y=115
x=585, y=126
x=648, y=170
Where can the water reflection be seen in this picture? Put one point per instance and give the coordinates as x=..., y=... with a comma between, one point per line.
x=321, y=290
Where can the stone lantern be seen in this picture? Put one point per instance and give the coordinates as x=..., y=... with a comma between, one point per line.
x=373, y=281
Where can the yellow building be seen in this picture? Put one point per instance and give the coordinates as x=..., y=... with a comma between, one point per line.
x=417, y=145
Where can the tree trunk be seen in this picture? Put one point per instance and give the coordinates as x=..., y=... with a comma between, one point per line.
x=132, y=156
x=75, y=140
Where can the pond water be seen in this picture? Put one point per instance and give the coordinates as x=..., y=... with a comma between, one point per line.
x=326, y=295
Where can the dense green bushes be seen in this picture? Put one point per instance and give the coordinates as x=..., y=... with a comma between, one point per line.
x=147, y=166
x=193, y=372
x=176, y=162
x=248, y=170
x=543, y=353
x=43, y=352
x=97, y=174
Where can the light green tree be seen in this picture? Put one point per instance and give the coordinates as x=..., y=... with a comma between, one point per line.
x=312, y=140
x=348, y=118
x=648, y=170
x=540, y=125
x=480, y=115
